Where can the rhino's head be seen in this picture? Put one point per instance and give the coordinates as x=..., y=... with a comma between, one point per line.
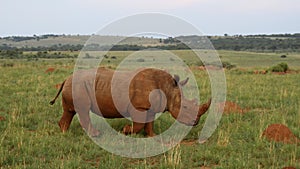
x=191, y=112
x=184, y=110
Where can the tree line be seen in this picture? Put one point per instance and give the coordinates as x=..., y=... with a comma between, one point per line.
x=259, y=43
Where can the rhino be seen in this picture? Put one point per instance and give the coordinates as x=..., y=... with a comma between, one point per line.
x=138, y=94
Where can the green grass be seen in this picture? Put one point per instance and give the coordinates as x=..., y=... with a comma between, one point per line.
x=30, y=136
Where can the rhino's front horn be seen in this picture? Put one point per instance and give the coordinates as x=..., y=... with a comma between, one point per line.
x=203, y=108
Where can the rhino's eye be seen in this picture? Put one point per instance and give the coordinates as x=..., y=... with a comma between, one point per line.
x=185, y=107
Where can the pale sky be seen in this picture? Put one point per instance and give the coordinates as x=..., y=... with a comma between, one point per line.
x=212, y=17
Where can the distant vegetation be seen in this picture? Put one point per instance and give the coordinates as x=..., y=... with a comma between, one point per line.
x=281, y=67
x=261, y=44
x=58, y=47
x=18, y=54
x=14, y=46
x=24, y=38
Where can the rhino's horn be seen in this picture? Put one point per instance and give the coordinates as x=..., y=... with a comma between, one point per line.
x=204, y=107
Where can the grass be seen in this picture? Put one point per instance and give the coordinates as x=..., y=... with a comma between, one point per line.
x=259, y=60
x=30, y=136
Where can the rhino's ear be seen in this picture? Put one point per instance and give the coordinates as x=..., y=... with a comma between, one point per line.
x=176, y=77
x=176, y=80
x=184, y=82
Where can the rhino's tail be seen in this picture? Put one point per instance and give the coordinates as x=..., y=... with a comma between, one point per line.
x=60, y=89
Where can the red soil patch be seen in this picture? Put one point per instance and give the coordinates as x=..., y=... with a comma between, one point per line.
x=57, y=86
x=2, y=118
x=201, y=68
x=287, y=72
x=260, y=72
x=212, y=67
x=68, y=67
x=209, y=167
x=280, y=133
x=288, y=168
x=231, y=107
x=209, y=67
x=279, y=73
x=50, y=70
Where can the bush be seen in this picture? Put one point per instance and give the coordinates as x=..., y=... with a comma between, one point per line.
x=140, y=60
x=283, y=56
x=228, y=65
x=281, y=67
x=7, y=65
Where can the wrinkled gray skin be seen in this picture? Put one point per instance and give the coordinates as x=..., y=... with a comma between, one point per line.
x=94, y=92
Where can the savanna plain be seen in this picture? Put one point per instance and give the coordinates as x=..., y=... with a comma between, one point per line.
x=31, y=138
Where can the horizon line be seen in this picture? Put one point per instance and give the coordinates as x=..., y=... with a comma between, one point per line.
x=78, y=34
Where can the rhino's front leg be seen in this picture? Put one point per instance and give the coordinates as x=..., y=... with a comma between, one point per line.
x=149, y=129
x=137, y=127
x=86, y=124
x=149, y=125
x=139, y=118
x=133, y=129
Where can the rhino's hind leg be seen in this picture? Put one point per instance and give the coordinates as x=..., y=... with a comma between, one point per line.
x=67, y=116
x=66, y=120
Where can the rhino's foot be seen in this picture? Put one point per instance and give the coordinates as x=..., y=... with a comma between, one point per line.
x=133, y=129
x=93, y=132
x=127, y=130
x=151, y=135
x=63, y=126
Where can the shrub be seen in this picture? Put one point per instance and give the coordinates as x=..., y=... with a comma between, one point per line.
x=140, y=60
x=283, y=56
x=198, y=63
x=7, y=65
x=228, y=65
x=281, y=67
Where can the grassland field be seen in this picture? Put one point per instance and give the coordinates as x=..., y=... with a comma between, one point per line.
x=31, y=138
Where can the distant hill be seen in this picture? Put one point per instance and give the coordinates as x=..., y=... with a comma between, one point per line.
x=44, y=40
x=264, y=43
x=60, y=40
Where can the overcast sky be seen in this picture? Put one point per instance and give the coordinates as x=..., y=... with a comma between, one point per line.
x=212, y=17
